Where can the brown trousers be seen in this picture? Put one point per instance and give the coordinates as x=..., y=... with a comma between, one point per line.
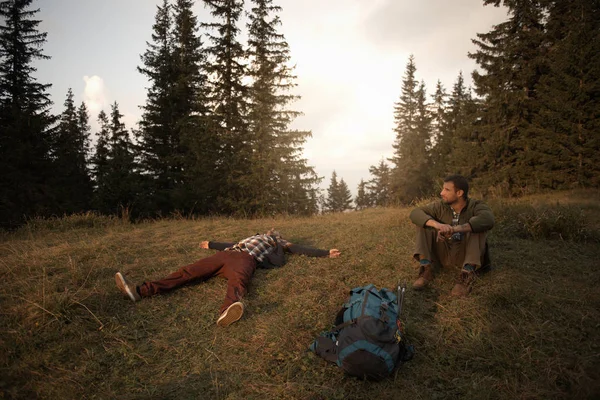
x=235, y=266
x=469, y=250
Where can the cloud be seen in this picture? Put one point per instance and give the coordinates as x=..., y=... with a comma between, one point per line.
x=437, y=33
x=95, y=95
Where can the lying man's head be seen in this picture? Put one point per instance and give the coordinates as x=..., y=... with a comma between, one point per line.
x=273, y=232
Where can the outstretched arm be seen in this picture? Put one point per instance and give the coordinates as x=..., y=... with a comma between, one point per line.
x=311, y=251
x=215, y=245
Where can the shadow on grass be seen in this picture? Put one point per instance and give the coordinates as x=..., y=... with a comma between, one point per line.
x=193, y=386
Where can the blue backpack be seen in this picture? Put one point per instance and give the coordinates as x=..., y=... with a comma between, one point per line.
x=367, y=340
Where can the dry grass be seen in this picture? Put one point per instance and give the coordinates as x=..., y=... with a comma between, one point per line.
x=530, y=329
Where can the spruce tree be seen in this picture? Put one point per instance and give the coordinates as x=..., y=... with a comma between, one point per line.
x=412, y=164
x=379, y=187
x=570, y=97
x=330, y=200
x=72, y=181
x=405, y=111
x=467, y=139
x=83, y=122
x=177, y=147
x=512, y=60
x=344, y=199
x=450, y=119
x=362, y=199
x=25, y=119
x=158, y=134
x=439, y=131
x=339, y=197
x=194, y=157
x=279, y=179
x=228, y=98
x=100, y=165
x=118, y=186
x=190, y=60
x=421, y=169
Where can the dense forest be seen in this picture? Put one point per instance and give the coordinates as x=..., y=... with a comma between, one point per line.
x=531, y=123
x=215, y=135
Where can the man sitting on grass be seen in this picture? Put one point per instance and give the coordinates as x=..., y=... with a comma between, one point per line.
x=236, y=263
x=453, y=232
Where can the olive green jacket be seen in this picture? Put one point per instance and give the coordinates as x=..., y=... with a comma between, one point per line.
x=476, y=213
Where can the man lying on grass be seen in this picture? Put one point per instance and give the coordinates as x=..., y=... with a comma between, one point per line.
x=236, y=263
x=453, y=232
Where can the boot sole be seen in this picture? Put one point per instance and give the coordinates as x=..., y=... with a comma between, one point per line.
x=123, y=287
x=421, y=286
x=233, y=313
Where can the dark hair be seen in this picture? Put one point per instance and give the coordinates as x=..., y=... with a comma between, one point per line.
x=460, y=183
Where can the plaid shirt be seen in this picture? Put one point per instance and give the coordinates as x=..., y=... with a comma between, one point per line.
x=258, y=246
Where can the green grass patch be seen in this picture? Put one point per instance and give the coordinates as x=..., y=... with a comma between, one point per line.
x=542, y=221
x=529, y=330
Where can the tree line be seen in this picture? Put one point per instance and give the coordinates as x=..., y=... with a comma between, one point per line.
x=531, y=122
x=214, y=136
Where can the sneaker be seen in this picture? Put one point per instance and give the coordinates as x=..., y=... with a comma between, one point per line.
x=425, y=276
x=464, y=285
x=127, y=288
x=231, y=314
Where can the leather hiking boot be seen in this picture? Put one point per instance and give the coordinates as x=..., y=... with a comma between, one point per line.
x=464, y=284
x=425, y=276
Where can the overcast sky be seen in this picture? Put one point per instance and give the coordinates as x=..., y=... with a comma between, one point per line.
x=350, y=56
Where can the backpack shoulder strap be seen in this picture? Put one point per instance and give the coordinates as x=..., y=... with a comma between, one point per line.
x=325, y=347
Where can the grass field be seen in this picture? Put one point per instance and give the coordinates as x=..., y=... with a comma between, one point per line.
x=529, y=330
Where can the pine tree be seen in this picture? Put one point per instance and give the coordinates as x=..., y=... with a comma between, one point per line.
x=405, y=111
x=100, y=165
x=570, y=97
x=83, y=144
x=462, y=146
x=331, y=203
x=412, y=163
x=339, y=198
x=279, y=179
x=25, y=119
x=228, y=98
x=83, y=122
x=71, y=146
x=422, y=176
x=457, y=103
x=190, y=60
x=439, y=131
x=362, y=199
x=512, y=60
x=453, y=118
x=158, y=130
x=179, y=150
x=194, y=156
x=118, y=186
x=344, y=199
x=379, y=188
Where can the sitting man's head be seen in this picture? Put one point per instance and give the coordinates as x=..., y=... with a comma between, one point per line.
x=455, y=188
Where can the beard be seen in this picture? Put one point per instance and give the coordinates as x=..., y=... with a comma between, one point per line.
x=451, y=202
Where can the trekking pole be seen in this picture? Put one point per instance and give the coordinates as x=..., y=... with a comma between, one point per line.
x=407, y=351
x=401, y=290
x=400, y=297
